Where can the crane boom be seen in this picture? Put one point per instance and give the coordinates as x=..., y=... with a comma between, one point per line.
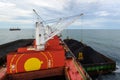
x=38, y=16
x=62, y=28
x=41, y=31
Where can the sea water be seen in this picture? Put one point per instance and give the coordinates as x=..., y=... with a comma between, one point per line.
x=105, y=41
x=7, y=36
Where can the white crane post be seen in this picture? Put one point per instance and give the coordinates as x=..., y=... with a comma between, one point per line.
x=40, y=38
x=40, y=33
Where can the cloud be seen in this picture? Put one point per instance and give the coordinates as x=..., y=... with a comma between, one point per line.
x=10, y=11
x=90, y=22
x=50, y=4
x=3, y=4
x=96, y=23
x=102, y=13
x=86, y=1
x=97, y=12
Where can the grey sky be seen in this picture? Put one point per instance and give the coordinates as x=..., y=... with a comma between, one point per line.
x=98, y=14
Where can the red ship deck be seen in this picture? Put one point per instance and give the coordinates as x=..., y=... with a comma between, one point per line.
x=27, y=59
x=75, y=71
x=28, y=64
x=2, y=73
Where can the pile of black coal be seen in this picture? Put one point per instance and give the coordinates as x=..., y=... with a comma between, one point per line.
x=89, y=54
x=12, y=46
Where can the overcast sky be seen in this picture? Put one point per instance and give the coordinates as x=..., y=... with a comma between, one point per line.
x=98, y=14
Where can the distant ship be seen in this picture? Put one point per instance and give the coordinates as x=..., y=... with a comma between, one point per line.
x=14, y=29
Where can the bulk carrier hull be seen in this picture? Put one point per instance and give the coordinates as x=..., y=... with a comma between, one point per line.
x=93, y=62
x=52, y=63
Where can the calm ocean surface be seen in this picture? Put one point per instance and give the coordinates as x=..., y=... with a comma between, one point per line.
x=106, y=42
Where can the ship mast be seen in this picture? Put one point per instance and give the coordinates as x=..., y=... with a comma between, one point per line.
x=40, y=31
x=45, y=33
